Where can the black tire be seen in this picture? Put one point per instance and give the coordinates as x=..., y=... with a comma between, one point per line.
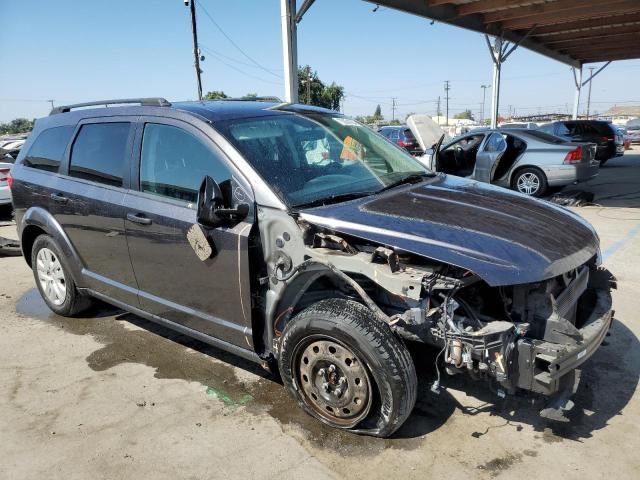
x=385, y=358
x=530, y=172
x=74, y=302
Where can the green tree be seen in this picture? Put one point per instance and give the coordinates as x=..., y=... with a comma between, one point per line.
x=378, y=113
x=18, y=125
x=313, y=91
x=464, y=115
x=215, y=95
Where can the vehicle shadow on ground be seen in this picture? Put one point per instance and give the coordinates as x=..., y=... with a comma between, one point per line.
x=608, y=382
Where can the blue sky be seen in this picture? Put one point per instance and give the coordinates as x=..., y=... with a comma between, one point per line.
x=72, y=50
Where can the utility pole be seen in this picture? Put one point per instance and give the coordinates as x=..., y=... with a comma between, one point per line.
x=589, y=94
x=484, y=96
x=308, y=85
x=447, y=87
x=438, y=112
x=52, y=105
x=393, y=109
x=196, y=50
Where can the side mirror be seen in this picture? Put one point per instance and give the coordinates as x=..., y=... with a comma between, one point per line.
x=211, y=211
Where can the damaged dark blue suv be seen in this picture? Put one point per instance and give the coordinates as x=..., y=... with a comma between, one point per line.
x=295, y=236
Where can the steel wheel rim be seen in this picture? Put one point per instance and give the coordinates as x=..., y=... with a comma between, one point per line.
x=51, y=276
x=333, y=381
x=528, y=183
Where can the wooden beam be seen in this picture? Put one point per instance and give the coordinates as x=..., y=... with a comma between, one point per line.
x=580, y=25
x=609, y=58
x=437, y=3
x=602, y=51
x=629, y=39
x=547, y=8
x=484, y=6
x=587, y=35
x=572, y=15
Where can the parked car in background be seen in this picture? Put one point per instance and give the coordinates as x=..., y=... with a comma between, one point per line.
x=6, y=162
x=633, y=130
x=402, y=136
x=209, y=218
x=11, y=148
x=518, y=125
x=528, y=161
x=593, y=131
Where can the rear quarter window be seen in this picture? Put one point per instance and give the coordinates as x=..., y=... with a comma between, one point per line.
x=48, y=148
x=99, y=152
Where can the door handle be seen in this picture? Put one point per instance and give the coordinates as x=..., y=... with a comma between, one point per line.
x=58, y=197
x=138, y=218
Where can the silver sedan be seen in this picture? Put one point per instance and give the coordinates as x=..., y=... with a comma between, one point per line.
x=527, y=161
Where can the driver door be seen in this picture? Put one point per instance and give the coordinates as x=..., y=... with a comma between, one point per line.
x=211, y=296
x=488, y=157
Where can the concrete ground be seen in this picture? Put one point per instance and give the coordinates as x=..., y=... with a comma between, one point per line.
x=113, y=396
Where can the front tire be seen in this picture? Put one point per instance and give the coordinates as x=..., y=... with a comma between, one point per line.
x=54, y=280
x=347, y=368
x=530, y=181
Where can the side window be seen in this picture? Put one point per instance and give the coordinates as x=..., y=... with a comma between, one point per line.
x=495, y=143
x=99, y=153
x=562, y=130
x=48, y=148
x=173, y=163
x=548, y=128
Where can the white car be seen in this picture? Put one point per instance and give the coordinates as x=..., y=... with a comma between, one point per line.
x=5, y=194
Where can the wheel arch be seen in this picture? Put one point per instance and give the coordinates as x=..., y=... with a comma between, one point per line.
x=312, y=285
x=518, y=168
x=38, y=221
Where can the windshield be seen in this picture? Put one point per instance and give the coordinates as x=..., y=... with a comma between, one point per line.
x=309, y=157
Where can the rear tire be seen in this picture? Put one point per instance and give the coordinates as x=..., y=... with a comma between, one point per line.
x=530, y=181
x=347, y=368
x=53, y=279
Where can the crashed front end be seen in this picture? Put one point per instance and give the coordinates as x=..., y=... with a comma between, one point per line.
x=526, y=336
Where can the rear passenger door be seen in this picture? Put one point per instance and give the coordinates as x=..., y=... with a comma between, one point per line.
x=488, y=157
x=86, y=199
x=210, y=296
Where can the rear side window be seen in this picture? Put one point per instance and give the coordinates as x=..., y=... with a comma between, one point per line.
x=173, y=163
x=48, y=149
x=99, y=153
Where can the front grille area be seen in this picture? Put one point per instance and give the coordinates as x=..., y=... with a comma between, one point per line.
x=568, y=299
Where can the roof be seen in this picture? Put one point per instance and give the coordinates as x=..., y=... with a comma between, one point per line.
x=218, y=110
x=574, y=32
x=628, y=111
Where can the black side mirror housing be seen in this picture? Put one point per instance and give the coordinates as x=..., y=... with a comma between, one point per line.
x=210, y=209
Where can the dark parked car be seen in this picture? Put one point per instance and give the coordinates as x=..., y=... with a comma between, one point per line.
x=603, y=134
x=213, y=219
x=402, y=136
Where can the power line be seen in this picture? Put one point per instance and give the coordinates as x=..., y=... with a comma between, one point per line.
x=261, y=67
x=447, y=87
x=212, y=53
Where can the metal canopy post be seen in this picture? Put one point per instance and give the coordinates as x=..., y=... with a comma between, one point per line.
x=577, y=78
x=289, y=49
x=500, y=51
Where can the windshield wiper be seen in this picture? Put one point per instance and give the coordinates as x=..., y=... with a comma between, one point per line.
x=411, y=178
x=341, y=197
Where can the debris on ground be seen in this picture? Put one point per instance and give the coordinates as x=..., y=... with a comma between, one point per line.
x=575, y=198
x=9, y=247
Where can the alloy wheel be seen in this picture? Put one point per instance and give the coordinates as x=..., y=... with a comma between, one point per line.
x=51, y=276
x=528, y=183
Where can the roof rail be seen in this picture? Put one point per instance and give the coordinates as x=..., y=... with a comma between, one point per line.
x=251, y=99
x=145, y=102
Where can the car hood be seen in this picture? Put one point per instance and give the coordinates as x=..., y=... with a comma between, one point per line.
x=502, y=236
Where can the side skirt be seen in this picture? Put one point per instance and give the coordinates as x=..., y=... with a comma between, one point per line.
x=215, y=342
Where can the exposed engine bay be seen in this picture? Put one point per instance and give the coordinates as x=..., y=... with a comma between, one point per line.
x=526, y=336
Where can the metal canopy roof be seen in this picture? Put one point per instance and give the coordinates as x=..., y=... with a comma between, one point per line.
x=574, y=32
